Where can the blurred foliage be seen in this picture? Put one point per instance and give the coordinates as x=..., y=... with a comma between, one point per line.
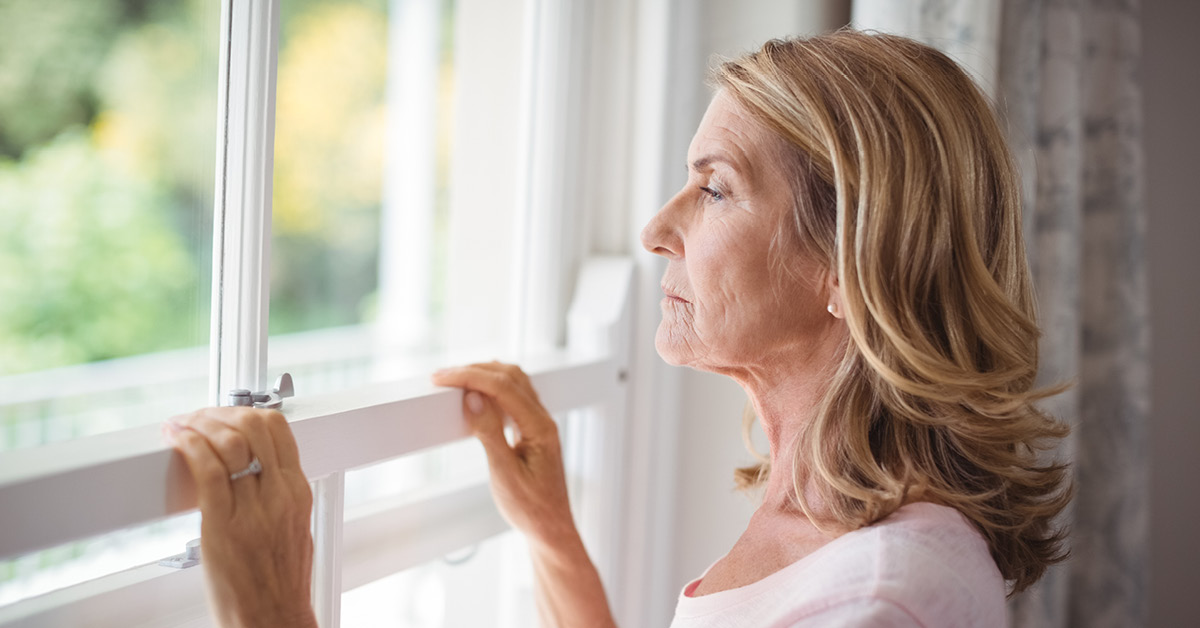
x=107, y=280
x=330, y=127
x=49, y=52
x=107, y=133
x=331, y=120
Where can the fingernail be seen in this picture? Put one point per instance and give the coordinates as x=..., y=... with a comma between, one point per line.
x=474, y=402
x=168, y=430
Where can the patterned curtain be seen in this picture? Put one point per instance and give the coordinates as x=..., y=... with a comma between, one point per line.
x=1064, y=73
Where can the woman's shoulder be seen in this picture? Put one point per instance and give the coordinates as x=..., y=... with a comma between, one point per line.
x=924, y=525
x=925, y=559
x=924, y=565
x=936, y=540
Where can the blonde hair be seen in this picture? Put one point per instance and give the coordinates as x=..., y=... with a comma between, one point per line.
x=905, y=186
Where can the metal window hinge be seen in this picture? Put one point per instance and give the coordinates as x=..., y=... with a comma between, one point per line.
x=189, y=558
x=267, y=399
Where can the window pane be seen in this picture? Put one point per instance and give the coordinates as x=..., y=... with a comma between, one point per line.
x=107, y=150
x=391, y=126
x=374, y=146
x=421, y=475
x=488, y=584
x=33, y=574
x=107, y=140
x=330, y=126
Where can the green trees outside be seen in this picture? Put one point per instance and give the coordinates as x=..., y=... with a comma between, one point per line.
x=108, y=112
x=107, y=150
x=330, y=126
x=107, y=117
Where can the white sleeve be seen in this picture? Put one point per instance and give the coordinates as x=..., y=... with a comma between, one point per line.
x=863, y=612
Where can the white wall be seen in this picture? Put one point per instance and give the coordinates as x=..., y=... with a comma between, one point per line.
x=1171, y=86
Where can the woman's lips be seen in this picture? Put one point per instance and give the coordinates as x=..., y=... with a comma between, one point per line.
x=674, y=297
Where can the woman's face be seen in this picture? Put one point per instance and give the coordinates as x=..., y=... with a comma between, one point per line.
x=731, y=304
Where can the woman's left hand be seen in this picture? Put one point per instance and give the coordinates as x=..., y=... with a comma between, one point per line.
x=256, y=548
x=530, y=489
x=528, y=481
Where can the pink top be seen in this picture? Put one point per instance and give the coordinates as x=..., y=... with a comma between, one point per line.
x=925, y=565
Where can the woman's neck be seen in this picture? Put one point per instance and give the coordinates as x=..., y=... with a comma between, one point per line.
x=786, y=397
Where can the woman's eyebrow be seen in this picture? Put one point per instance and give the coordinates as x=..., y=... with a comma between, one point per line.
x=707, y=160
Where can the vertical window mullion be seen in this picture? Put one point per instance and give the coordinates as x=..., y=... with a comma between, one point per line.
x=328, y=518
x=242, y=215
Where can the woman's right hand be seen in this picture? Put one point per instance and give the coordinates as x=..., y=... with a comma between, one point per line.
x=528, y=481
x=254, y=532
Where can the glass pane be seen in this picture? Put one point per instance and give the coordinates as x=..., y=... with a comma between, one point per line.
x=329, y=138
x=436, y=471
x=107, y=151
x=453, y=466
x=488, y=584
x=389, y=130
x=396, y=187
x=33, y=574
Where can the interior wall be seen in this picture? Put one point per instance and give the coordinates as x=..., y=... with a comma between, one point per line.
x=1171, y=88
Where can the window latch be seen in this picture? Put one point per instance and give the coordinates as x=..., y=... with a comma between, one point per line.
x=269, y=399
x=189, y=558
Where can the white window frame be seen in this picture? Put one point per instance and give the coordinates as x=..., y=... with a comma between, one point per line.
x=111, y=481
x=242, y=209
x=625, y=50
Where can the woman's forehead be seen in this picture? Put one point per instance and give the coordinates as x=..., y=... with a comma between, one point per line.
x=729, y=136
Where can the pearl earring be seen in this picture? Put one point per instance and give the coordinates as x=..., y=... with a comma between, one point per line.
x=832, y=310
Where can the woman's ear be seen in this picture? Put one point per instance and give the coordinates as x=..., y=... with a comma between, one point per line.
x=834, y=291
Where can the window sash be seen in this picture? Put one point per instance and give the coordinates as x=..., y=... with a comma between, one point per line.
x=112, y=481
x=378, y=543
x=242, y=207
x=126, y=478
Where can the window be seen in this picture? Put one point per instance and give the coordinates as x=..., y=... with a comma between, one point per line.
x=107, y=123
x=106, y=191
x=434, y=171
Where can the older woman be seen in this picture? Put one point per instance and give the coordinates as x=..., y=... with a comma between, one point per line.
x=848, y=249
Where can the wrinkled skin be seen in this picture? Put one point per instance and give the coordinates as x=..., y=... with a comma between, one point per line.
x=736, y=303
x=745, y=300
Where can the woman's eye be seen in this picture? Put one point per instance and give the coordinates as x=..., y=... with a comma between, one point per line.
x=716, y=196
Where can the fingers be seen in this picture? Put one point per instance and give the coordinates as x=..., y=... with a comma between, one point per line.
x=510, y=387
x=235, y=440
x=213, y=490
x=287, y=453
x=487, y=422
x=238, y=435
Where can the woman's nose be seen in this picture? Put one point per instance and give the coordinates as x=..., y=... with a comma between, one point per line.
x=661, y=236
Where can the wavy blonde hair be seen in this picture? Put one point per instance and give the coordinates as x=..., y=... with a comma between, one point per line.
x=905, y=186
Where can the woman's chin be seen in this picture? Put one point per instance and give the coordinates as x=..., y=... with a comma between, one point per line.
x=666, y=348
x=672, y=349
x=667, y=355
